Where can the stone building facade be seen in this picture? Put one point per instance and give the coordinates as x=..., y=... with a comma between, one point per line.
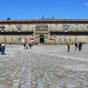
x=47, y=31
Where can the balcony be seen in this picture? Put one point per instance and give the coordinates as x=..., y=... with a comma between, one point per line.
x=16, y=33
x=68, y=33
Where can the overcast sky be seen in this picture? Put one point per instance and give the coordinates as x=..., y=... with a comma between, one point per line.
x=34, y=9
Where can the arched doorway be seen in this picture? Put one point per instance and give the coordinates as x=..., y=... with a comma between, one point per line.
x=41, y=39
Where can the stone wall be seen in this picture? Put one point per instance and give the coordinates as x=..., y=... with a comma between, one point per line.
x=48, y=39
x=51, y=27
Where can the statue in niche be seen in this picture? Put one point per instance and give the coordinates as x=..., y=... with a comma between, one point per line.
x=66, y=27
x=2, y=28
x=19, y=27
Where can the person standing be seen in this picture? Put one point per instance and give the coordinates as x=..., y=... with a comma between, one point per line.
x=24, y=45
x=27, y=46
x=3, y=49
x=68, y=46
x=80, y=46
x=0, y=47
x=30, y=45
x=76, y=46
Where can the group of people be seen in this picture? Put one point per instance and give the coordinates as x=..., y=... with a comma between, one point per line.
x=26, y=45
x=78, y=45
x=2, y=48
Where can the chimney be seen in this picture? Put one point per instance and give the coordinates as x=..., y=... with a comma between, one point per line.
x=8, y=18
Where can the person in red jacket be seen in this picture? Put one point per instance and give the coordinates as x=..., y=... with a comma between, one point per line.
x=68, y=45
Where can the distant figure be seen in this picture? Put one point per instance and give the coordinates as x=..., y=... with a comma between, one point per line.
x=80, y=46
x=76, y=46
x=27, y=46
x=68, y=45
x=0, y=47
x=24, y=45
x=3, y=49
x=30, y=45
x=38, y=44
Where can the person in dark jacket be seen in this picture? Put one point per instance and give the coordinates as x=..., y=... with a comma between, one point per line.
x=76, y=46
x=30, y=45
x=3, y=49
x=0, y=47
x=80, y=46
x=24, y=45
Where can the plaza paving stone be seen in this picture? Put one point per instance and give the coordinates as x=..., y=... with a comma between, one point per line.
x=44, y=66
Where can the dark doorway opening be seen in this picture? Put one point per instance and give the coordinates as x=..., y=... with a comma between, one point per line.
x=42, y=39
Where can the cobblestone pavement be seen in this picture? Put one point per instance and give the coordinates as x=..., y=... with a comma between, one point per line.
x=44, y=66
